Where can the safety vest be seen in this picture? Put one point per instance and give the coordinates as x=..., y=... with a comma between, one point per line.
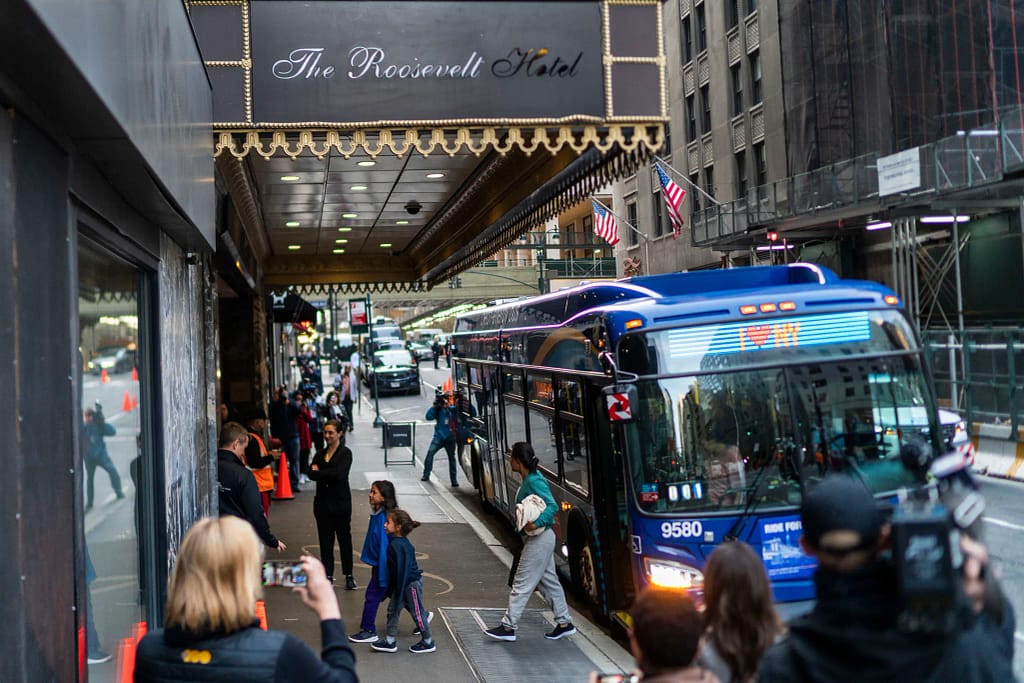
x=264, y=475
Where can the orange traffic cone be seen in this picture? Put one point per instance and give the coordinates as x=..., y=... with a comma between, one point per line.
x=126, y=404
x=261, y=613
x=135, y=374
x=104, y=377
x=448, y=385
x=135, y=402
x=284, y=484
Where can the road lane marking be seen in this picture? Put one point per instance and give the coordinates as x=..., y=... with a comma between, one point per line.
x=1008, y=525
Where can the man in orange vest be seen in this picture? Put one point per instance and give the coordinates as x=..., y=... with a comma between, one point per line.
x=258, y=458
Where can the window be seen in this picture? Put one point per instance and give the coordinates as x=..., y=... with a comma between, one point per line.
x=737, y=89
x=741, y=175
x=705, y=119
x=588, y=229
x=659, y=210
x=542, y=431
x=687, y=40
x=760, y=165
x=117, y=466
x=733, y=13
x=702, y=29
x=631, y=217
x=515, y=422
x=691, y=119
x=755, y=77
x=572, y=442
x=751, y=6
x=694, y=196
x=709, y=180
x=666, y=146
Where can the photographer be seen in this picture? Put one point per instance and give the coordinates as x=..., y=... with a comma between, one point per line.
x=854, y=631
x=450, y=426
x=94, y=430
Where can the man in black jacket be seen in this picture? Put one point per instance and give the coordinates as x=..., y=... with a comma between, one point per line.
x=238, y=493
x=853, y=632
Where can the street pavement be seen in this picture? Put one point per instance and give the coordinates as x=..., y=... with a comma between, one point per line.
x=465, y=571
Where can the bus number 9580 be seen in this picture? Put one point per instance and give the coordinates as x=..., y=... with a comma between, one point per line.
x=687, y=529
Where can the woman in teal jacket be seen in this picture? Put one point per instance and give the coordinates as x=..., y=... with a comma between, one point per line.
x=537, y=561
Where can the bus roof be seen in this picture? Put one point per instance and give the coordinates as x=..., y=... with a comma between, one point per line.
x=675, y=297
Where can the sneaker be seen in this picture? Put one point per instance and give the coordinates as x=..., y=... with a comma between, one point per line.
x=422, y=647
x=364, y=637
x=350, y=583
x=501, y=632
x=455, y=484
x=561, y=631
x=425, y=477
x=384, y=645
x=430, y=618
x=98, y=657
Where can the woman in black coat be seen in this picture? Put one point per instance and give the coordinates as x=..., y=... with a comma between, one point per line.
x=332, y=506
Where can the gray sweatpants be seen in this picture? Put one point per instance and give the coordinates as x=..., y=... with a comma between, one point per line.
x=536, y=568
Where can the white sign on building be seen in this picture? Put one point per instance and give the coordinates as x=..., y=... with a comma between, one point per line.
x=899, y=172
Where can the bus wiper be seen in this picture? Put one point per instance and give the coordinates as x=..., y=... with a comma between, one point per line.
x=750, y=504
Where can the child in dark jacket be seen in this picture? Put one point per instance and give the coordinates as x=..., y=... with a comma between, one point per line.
x=404, y=586
x=375, y=548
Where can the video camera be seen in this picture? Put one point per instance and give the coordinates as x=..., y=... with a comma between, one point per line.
x=926, y=528
x=309, y=390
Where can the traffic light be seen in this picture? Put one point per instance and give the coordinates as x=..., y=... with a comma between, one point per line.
x=773, y=236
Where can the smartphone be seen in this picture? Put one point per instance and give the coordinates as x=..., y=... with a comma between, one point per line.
x=286, y=573
x=617, y=677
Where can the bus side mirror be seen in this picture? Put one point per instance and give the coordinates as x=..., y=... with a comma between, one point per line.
x=620, y=401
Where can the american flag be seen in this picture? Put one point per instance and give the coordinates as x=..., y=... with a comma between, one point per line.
x=605, y=226
x=673, y=200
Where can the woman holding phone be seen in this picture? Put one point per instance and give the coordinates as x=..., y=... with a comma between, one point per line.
x=332, y=506
x=212, y=633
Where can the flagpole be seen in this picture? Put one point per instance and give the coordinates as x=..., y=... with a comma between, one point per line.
x=686, y=180
x=647, y=240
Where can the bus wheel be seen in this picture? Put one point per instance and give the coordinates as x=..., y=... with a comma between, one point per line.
x=583, y=571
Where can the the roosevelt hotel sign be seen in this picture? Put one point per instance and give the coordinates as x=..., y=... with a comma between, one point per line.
x=425, y=61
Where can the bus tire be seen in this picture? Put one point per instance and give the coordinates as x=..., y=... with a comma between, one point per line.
x=476, y=464
x=583, y=570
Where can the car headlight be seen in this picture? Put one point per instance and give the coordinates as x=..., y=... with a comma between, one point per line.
x=669, y=574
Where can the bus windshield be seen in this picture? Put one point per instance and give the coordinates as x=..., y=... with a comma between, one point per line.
x=726, y=437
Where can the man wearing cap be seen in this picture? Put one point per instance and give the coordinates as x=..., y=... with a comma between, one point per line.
x=853, y=633
x=450, y=423
x=258, y=458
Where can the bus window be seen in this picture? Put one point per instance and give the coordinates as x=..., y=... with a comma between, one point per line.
x=569, y=398
x=541, y=389
x=515, y=422
x=543, y=440
x=514, y=383
x=575, y=456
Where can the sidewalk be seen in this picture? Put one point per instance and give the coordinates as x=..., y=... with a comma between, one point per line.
x=465, y=570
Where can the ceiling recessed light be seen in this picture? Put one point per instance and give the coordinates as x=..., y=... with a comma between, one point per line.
x=357, y=188
x=344, y=229
x=435, y=175
x=350, y=215
x=401, y=222
x=385, y=245
x=366, y=163
x=290, y=178
x=294, y=247
x=341, y=241
x=292, y=224
x=338, y=251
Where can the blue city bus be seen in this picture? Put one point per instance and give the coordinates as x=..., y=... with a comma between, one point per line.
x=672, y=412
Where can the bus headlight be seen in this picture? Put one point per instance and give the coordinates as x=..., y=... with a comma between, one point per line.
x=669, y=574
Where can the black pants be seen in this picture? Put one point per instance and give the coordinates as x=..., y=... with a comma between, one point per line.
x=107, y=464
x=334, y=520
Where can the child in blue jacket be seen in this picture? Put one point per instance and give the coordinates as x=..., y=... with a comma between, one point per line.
x=405, y=587
x=375, y=549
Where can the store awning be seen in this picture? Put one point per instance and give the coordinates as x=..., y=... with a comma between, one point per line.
x=288, y=307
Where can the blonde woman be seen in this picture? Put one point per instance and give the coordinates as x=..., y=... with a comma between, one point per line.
x=212, y=633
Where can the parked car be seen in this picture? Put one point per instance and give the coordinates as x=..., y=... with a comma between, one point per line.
x=421, y=350
x=393, y=371
x=113, y=359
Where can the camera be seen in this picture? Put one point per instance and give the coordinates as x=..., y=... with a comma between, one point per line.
x=926, y=528
x=412, y=207
x=308, y=390
x=287, y=574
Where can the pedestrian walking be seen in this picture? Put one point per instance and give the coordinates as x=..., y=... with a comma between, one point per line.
x=332, y=505
x=405, y=586
x=302, y=424
x=211, y=632
x=450, y=423
x=95, y=429
x=349, y=393
x=375, y=549
x=740, y=621
x=537, y=561
x=435, y=348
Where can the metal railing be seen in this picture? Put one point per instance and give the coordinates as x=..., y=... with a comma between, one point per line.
x=968, y=159
x=982, y=376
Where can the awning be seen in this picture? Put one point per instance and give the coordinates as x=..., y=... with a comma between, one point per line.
x=286, y=307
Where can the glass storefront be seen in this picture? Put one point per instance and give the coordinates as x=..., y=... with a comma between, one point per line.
x=111, y=455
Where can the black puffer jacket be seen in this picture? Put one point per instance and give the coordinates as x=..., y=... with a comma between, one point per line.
x=252, y=655
x=852, y=635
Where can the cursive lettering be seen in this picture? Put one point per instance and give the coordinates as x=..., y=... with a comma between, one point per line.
x=303, y=62
x=370, y=61
x=531, y=62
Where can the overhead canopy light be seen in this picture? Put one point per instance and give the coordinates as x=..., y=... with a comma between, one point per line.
x=945, y=219
x=878, y=225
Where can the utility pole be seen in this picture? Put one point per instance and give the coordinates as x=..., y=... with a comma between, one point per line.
x=540, y=268
x=377, y=422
